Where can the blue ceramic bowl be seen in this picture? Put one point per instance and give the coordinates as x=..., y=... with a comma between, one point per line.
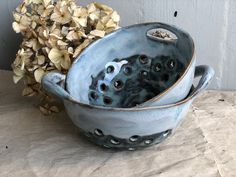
x=125, y=128
x=162, y=69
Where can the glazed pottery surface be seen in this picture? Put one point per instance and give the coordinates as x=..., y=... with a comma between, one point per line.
x=132, y=67
x=126, y=128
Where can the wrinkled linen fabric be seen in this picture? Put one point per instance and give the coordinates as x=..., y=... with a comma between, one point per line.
x=34, y=145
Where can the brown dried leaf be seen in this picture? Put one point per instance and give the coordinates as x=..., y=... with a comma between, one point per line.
x=16, y=78
x=44, y=110
x=54, y=109
x=28, y=91
x=80, y=48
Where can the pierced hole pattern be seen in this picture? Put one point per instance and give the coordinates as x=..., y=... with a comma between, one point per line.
x=143, y=76
x=134, y=138
x=110, y=69
x=115, y=141
x=143, y=59
x=118, y=84
x=103, y=87
x=98, y=132
x=107, y=100
x=127, y=70
x=93, y=95
x=133, y=143
x=157, y=67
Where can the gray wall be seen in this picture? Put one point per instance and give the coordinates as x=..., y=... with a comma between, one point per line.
x=210, y=22
x=9, y=40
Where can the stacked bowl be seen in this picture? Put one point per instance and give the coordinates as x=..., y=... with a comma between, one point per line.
x=132, y=88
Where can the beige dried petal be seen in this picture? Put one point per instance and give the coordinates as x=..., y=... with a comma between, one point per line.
x=103, y=7
x=51, y=30
x=111, y=24
x=25, y=21
x=28, y=91
x=94, y=16
x=91, y=8
x=36, y=1
x=98, y=33
x=46, y=33
x=47, y=2
x=33, y=24
x=72, y=35
x=16, y=16
x=105, y=19
x=80, y=12
x=61, y=15
x=16, y=79
x=115, y=17
x=41, y=59
x=21, y=8
x=41, y=41
x=32, y=43
x=55, y=36
x=56, y=33
x=16, y=27
x=65, y=62
x=80, y=21
x=47, y=12
x=55, y=55
x=52, y=42
x=61, y=43
x=100, y=26
x=64, y=30
x=53, y=27
x=70, y=50
x=58, y=66
x=18, y=71
x=38, y=74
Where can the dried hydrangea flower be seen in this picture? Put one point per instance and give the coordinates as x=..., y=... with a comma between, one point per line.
x=54, y=34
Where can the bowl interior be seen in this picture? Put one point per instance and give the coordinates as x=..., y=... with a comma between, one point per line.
x=127, y=67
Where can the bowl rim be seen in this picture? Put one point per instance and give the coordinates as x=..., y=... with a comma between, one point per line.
x=156, y=98
x=192, y=94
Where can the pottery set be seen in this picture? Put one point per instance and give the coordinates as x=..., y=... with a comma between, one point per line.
x=132, y=88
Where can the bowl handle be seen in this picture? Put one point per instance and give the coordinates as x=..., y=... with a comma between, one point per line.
x=151, y=34
x=206, y=73
x=54, y=83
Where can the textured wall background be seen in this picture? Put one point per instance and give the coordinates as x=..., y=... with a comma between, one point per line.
x=210, y=22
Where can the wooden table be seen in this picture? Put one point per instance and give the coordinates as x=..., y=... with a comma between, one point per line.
x=46, y=146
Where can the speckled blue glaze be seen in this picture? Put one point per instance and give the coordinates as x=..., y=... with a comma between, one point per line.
x=129, y=41
x=124, y=123
x=146, y=124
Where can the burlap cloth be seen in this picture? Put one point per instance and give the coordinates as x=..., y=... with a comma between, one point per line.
x=34, y=145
